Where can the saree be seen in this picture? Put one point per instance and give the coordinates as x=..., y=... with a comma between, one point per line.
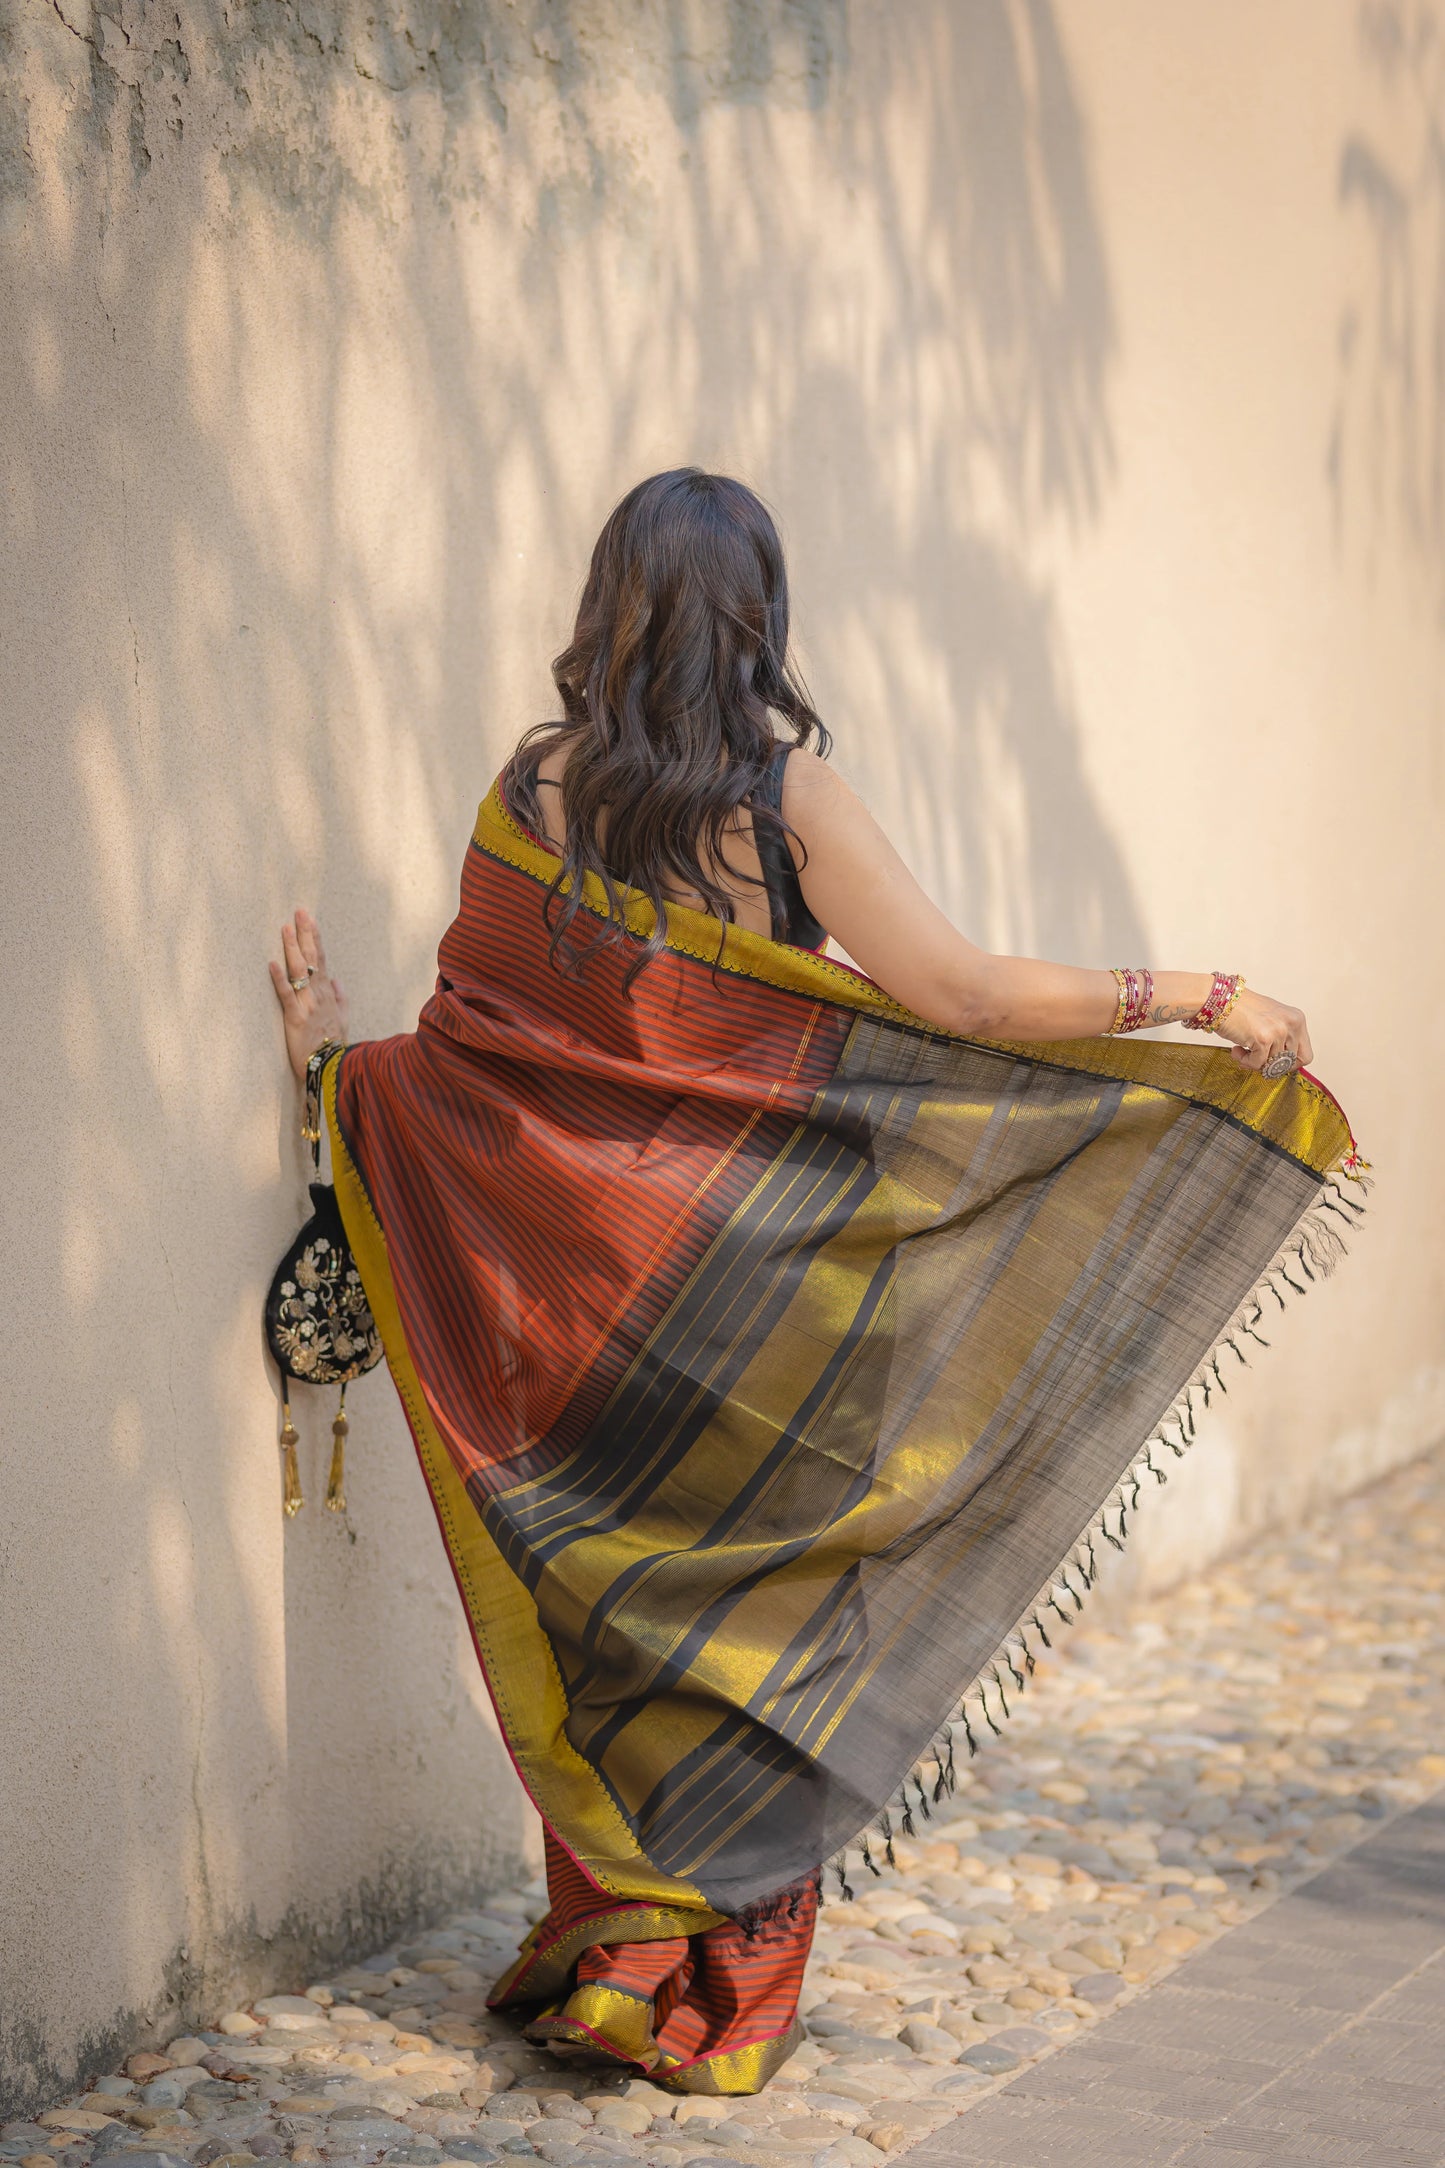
x=775, y=1362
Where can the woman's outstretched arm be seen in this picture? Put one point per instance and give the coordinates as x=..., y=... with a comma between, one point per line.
x=857, y=886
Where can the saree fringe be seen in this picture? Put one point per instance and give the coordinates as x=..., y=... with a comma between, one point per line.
x=783, y=1904
x=1314, y=1247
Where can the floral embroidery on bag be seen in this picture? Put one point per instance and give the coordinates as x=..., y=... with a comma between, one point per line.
x=318, y=1320
x=322, y=1319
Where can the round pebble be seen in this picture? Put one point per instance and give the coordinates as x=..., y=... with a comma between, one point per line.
x=989, y=2059
x=1021, y=2040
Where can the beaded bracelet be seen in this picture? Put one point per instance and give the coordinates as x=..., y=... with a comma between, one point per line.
x=1225, y=989
x=1136, y=991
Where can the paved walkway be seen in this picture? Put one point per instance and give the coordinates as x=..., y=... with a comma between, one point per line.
x=1313, y=2035
x=1182, y=1911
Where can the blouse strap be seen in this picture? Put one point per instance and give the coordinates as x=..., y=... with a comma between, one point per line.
x=770, y=790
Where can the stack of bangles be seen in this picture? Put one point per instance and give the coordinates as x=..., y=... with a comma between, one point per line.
x=1136, y=994
x=1224, y=991
x=1136, y=991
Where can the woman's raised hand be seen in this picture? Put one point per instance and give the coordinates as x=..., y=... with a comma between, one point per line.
x=313, y=1007
x=1261, y=1029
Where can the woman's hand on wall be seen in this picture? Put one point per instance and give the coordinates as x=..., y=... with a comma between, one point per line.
x=313, y=1006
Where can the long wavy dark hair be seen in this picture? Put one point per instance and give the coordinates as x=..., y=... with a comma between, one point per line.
x=673, y=686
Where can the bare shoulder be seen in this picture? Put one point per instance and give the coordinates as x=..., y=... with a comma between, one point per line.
x=812, y=791
x=805, y=772
x=818, y=805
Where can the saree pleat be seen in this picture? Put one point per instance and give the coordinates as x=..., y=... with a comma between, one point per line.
x=714, y=2011
x=773, y=1359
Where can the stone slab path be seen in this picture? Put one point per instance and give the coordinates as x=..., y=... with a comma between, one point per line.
x=1315, y=2034
x=1162, y=1784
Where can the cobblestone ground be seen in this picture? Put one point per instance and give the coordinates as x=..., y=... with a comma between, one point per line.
x=1158, y=1785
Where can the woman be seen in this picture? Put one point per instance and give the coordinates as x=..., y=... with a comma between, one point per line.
x=771, y=1332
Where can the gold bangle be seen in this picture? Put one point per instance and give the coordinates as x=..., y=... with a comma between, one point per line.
x=1234, y=996
x=1123, y=985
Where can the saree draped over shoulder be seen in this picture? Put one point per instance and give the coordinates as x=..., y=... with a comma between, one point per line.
x=774, y=1360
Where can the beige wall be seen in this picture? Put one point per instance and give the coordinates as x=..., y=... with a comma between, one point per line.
x=1087, y=353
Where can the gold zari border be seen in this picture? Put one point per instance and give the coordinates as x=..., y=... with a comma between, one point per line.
x=738, y=2070
x=655, y=1923
x=598, y=2016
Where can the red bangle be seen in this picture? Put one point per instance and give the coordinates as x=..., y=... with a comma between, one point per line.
x=1225, y=989
x=1136, y=991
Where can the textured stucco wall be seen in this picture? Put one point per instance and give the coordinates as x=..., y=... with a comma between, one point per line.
x=1087, y=353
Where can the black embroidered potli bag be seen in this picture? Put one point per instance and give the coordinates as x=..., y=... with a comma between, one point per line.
x=319, y=1325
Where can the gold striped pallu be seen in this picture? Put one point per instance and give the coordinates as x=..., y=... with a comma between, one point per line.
x=774, y=1360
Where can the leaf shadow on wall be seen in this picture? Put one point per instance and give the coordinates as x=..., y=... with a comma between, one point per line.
x=332, y=343
x=918, y=458
x=1385, y=460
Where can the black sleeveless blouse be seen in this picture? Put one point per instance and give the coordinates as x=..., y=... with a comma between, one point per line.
x=793, y=922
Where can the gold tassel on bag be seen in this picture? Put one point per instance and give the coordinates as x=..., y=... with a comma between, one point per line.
x=291, y=1498
x=335, y=1494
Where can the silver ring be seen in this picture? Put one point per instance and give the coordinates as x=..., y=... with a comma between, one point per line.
x=1282, y=1065
x=297, y=986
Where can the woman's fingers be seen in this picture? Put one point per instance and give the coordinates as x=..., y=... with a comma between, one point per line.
x=284, y=992
x=308, y=935
x=296, y=967
x=1264, y=1051
x=1295, y=1038
x=306, y=939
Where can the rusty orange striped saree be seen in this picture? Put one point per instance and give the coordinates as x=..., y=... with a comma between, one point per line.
x=774, y=1360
